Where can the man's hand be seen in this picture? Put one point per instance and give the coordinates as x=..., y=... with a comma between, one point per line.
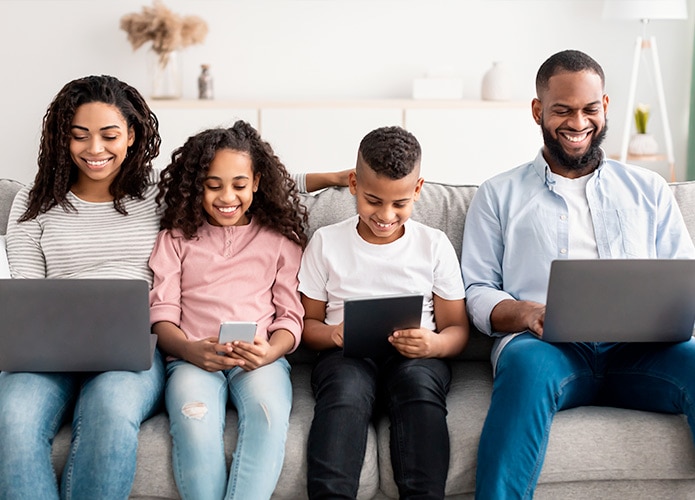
x=512, y=316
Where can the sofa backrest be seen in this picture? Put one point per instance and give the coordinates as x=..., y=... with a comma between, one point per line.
x=684, y=193
x=440, y=205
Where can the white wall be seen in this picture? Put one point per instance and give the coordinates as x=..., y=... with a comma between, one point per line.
x=327, y=49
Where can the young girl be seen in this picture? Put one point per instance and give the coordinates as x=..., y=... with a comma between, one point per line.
x=91, y=212
x=230, y=249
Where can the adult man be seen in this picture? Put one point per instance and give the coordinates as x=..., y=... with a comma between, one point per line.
x=570, y=202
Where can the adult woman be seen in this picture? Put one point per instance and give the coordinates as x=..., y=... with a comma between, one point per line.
x=91, y=212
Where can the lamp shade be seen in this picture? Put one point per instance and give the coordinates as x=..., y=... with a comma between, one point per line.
x=644, y=9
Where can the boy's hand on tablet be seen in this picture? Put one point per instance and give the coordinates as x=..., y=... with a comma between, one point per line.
x=415, y=342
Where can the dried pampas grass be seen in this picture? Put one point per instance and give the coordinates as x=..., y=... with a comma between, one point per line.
x=167, y=31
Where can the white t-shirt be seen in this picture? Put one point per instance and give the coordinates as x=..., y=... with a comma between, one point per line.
x=338, y=264
x=582, y=241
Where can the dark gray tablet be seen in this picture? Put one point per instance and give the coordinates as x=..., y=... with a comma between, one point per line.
x=620, y=300
x=369, y=321
x=60, y=325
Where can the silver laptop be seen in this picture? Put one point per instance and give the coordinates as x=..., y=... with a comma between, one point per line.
x=620, y=300
x=59, y=325
x=369, y=321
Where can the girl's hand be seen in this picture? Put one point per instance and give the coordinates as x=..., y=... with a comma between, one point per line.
x=209, y=355
x=415, y=342
x=252, y=355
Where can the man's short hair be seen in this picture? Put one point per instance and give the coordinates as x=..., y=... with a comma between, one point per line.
x=390, y=151
x=572, y=61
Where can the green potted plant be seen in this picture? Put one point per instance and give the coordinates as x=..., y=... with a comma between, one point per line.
x=642, y=143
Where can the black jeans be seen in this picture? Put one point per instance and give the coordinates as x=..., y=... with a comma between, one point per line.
x=346, y=389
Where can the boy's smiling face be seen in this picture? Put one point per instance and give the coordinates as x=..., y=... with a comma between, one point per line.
x=383, y=204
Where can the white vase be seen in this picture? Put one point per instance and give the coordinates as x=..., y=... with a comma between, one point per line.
x=497, y=84
x=166, y=75
x=642, y=145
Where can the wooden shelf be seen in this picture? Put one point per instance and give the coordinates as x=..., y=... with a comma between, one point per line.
x=657, y=157
x=335, y=103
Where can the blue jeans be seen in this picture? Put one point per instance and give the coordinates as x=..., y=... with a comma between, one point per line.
x=196, y=401
x=536, y=379
x=109, y=408
x=346, y=390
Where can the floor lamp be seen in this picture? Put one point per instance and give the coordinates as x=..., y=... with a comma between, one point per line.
x=645, y=11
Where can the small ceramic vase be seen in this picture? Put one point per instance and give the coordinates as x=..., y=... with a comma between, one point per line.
x=497, y=84
x=642, y=145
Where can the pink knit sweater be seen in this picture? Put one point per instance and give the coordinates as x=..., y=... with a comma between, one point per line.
x=237, y=273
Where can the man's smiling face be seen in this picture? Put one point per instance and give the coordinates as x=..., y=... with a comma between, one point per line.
x=571, y=111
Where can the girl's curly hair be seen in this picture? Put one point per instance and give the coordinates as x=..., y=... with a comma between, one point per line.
x=276, y=204
x=57, y=172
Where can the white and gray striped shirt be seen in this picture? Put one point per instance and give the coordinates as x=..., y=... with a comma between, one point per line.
x=95, y=241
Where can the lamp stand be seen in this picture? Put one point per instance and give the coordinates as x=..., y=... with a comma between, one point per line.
x=640, y=45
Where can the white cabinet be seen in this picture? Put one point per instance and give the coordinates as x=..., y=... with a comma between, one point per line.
x=178, y=120
x=463, y=142
x=469, y=145
x=322, y=139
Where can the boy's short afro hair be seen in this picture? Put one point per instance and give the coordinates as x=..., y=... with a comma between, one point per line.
x=391, y=151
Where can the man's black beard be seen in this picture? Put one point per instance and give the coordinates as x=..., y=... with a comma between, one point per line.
x=589, y=160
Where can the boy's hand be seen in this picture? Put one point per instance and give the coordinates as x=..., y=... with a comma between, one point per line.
x=337, y=335
x=415, y=342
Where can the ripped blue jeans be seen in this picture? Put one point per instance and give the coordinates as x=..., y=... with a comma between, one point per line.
x=196, y=401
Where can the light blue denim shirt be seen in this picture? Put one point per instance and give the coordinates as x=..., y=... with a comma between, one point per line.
x=517, y=225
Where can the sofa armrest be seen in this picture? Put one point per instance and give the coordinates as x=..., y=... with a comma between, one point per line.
x=8, y=190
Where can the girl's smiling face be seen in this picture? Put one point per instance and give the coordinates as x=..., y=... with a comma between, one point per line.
x=99, y=142
x=229, y=188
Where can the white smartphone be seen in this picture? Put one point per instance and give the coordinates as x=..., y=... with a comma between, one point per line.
x=237, y=330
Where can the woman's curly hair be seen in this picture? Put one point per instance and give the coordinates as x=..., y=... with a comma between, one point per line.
x=57, y=172
x=275, y=205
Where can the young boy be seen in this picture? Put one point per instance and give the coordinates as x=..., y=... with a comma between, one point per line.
x=381, y=252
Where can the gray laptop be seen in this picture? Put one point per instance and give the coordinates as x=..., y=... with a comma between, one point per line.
x=59, y=325
x=369, y=321
x=620, y=300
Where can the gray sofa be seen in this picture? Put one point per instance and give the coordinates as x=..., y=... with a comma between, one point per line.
x=593, y=452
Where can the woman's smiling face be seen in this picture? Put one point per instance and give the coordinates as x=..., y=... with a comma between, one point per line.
x=99, y=142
